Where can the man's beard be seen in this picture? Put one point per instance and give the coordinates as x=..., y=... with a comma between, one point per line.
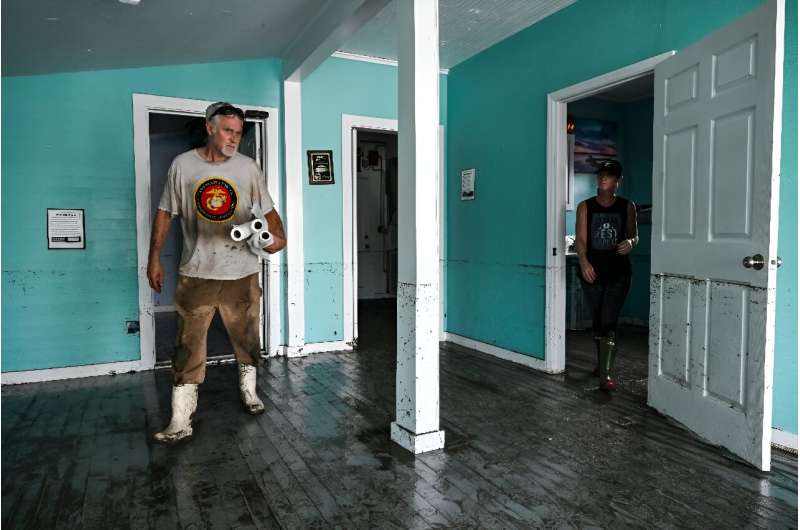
x=228, y=151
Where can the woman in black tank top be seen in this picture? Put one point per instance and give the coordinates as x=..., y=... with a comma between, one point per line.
x=605, y=233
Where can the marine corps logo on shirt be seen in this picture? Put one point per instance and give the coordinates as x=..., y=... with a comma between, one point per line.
x=215, y=199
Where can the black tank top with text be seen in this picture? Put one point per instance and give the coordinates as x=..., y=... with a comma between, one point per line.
x=606, y=227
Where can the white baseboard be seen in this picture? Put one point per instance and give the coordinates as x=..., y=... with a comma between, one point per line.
x=291, y=351
x=72, y=372
x=325, y=347
x=784, y=440
x=501, y=353
x=314, y=347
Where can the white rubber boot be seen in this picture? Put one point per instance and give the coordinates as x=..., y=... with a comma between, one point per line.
x=184, y=403
x=247, y=389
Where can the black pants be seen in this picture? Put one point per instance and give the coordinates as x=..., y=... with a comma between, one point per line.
x=606, y=301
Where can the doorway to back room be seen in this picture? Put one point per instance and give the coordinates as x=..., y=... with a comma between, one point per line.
x=376, y=232
x=616, y=124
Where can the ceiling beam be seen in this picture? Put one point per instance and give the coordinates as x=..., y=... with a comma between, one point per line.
x=330, y=28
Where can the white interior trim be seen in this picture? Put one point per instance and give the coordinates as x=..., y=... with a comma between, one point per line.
x=315, y=347
x=349, y=225
x=331, y=26
x=275, y=262
x=555, y=276
x=327, y=347
x=143, y=106
x=374, y=60
x=73, y=372
x=496, y=351
x=293, y=143
x=784, y=440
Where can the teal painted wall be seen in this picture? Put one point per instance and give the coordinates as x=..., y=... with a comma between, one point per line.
x=338, y=86
x=786, y=346
x=68, y=143
x=497, y=124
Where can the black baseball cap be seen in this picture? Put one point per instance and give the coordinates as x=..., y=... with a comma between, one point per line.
x=609, y=166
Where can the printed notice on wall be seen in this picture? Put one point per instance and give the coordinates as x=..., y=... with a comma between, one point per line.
x=65, y=229
x=468, y=185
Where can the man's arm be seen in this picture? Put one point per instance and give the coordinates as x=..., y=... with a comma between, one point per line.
x=276, y=229
x=155, y=273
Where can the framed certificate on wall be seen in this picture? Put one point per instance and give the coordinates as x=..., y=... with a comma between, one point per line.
x=320, y=167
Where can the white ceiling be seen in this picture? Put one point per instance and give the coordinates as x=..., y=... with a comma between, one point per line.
x=466, y=27
x=634, y=90
x=46, y=36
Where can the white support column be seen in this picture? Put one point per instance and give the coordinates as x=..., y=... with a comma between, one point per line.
x=416, y=426
x=294, y=219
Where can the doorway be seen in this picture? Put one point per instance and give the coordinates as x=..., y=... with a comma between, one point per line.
x=163, y=128
x=171, y=135
x=616, y=123
x=376, y=241
x=353, y=128
x=558, y=198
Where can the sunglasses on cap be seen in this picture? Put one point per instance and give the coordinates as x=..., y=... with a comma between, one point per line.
x=228, y=110
x=609, y=167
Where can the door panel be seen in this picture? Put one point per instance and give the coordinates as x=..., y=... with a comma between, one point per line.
x=681, y=89
x=734, y=65
x=715, y=199
x=674, y=356
x=680, y=152
x=727, y=344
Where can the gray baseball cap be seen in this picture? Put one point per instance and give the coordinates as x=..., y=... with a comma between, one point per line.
x=224, y=108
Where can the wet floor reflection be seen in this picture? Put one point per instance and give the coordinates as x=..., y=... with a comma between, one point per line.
x=524, y=450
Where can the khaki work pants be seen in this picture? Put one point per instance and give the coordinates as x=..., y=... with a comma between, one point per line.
x=196, y=300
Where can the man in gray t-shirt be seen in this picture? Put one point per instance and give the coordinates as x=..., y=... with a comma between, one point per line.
x=210, y=189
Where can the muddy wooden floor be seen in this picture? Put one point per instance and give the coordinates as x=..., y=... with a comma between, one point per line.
x=524, y=450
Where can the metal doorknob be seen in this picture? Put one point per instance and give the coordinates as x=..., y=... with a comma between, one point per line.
x=777, y=262
x=755, y=262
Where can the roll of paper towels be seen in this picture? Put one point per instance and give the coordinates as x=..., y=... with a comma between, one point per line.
x=241, y=232
x=261, y=239
x=256, y=225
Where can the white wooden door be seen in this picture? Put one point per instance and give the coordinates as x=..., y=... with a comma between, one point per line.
x=716, y=136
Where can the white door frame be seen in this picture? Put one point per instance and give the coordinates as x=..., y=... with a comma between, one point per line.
x=143, y=106
x=350, y=225
x=556, y=276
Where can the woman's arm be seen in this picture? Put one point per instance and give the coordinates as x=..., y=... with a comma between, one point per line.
x=587, y=271
x=632, y=235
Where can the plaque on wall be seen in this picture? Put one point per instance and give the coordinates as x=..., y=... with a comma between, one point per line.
x=320, y=167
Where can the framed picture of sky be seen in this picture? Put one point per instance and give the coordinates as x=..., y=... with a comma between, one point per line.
x=595, y=140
